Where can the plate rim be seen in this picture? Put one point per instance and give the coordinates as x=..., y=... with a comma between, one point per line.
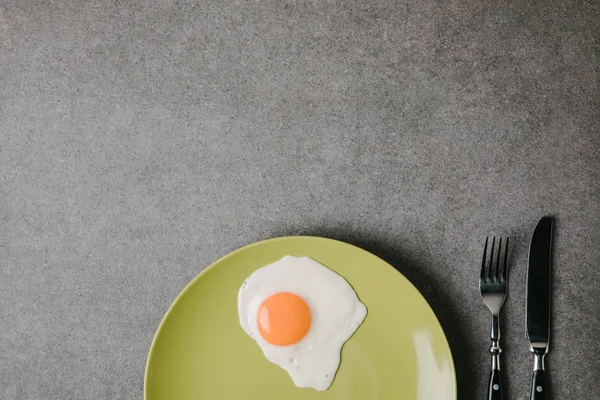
x=275, y=239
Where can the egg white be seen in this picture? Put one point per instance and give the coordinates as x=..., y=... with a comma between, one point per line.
x=336, y=314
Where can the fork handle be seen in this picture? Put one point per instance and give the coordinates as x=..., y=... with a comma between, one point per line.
x=495, y=391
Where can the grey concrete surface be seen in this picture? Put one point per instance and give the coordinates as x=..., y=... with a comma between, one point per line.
x=140, y=141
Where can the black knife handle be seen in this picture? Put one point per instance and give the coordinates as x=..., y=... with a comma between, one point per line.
x=495, y=389
x=539, y=386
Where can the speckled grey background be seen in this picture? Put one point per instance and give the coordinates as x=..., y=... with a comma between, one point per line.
x=142, y=141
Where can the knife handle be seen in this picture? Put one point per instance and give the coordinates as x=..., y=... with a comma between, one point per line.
x=495, y=388
x=539, y=386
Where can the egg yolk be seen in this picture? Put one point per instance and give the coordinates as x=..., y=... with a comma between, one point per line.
x=283, y=319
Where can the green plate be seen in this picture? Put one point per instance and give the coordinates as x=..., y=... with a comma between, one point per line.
x=201, y=352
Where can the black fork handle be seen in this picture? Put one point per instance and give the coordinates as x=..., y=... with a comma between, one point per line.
x=495, y=390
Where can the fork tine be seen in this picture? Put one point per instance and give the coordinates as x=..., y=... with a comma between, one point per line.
x=491, y=265
x=504, y=267
x=496, y=276
x=482, y=274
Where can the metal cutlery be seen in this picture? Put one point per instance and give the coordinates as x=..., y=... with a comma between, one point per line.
x=537, y=307
x=493, y=285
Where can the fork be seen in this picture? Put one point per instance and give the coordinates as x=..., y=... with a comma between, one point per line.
x=493, y=285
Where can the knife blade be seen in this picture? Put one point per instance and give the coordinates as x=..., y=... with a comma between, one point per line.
x=537, y=308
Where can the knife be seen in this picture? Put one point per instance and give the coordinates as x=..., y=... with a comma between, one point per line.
x=537, y=308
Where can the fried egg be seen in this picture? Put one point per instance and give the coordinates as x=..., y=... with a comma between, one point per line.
x=300, y=313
